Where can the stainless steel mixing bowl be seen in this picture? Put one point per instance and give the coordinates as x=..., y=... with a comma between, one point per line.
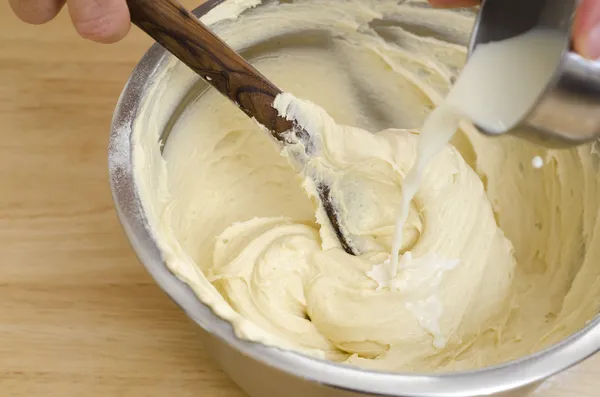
x=264, y=371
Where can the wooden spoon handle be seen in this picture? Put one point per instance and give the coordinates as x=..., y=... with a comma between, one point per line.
x=182, y=34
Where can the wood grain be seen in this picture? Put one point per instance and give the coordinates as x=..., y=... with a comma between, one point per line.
x=79, y=316
x=177, y=30
x=189, y=40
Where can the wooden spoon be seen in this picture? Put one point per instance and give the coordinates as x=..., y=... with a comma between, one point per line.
x=183, y=35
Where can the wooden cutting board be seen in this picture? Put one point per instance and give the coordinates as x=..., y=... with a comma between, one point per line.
x=79, y=316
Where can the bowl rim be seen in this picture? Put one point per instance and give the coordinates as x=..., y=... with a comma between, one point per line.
x=509, y=376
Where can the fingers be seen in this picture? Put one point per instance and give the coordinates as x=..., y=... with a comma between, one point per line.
x=104, y=21
x=36, y=11
x=453, y=3
x=587, y=29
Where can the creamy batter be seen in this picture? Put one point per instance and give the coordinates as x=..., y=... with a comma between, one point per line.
x=503, y=257
x=496, y=89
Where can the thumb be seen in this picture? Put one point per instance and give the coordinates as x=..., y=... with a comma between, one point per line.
x=587, y=29
x=104, y=21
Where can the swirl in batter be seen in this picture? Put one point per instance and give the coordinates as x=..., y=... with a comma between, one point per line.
x=502, y=255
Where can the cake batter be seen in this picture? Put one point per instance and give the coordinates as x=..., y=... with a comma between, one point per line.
x=502, y=255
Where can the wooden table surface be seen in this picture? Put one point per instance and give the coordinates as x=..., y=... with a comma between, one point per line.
x=79, y=316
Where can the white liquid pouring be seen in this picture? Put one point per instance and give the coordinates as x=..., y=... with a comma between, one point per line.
x=499, y=84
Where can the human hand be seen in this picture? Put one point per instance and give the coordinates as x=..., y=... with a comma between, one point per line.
x=586, y=30
x=104, y=21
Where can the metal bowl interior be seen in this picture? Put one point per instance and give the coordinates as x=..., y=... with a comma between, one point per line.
x=500, y=379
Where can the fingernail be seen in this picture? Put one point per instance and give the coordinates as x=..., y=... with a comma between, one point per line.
x=592, y=43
